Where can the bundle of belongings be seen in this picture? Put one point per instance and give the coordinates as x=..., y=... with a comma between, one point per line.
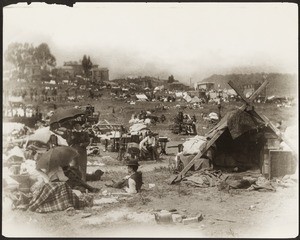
x=189, y=151
x=47, y=181
x=225, y=181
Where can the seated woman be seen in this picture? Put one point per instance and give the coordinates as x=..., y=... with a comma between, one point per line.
x=75, y=179
x=131, y=183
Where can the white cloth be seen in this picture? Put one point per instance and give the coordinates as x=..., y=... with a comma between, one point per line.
x=192, y=145
x=149, y=141
x=131, y=185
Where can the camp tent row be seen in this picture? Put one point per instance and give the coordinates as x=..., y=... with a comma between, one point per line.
x=239, y=136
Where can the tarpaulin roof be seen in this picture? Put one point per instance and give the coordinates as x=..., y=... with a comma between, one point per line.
x=237, y=122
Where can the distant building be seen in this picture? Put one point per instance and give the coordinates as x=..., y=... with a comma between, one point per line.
x=100, y=75
x=73, y=71
x=76, y=67
x=65, y=72
x=178, y=86
x=204, y=86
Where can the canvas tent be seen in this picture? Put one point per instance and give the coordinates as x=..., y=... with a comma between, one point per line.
x=141, y=97
x=15, y=99
x=195, y=100
x=187, y=97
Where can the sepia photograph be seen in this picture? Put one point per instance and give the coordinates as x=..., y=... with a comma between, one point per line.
x=150, y=120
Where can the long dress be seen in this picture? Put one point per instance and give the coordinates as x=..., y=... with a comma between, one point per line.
x=78, y=138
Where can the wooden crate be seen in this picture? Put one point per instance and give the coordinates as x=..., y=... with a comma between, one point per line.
x=272, y=141
x=281, y=163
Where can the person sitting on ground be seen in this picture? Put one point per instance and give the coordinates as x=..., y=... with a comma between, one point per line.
x=74, y=178
x=131, y=183
x=148, y=145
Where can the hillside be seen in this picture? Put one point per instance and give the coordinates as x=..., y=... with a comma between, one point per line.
x=279, y=84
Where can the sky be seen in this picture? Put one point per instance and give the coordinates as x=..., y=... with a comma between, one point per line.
x=188, y=40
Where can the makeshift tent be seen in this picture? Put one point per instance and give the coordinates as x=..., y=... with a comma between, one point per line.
x=141, y=97
x=187, y=98
x=195, y=100
x=239, y=137
x=241, y=141
x=15, y=99
x=178, y=94
x=213, y=95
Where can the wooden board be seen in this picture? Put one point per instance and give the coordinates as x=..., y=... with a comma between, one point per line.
x=281, y=163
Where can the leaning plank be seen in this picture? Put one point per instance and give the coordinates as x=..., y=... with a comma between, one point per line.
x=202, y=150
x=257, y=92
x=253, y=96
x=276, y=131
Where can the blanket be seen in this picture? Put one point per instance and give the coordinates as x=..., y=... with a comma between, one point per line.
x=55, y=196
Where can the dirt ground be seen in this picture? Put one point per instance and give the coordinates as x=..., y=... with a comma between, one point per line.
x=233, y=214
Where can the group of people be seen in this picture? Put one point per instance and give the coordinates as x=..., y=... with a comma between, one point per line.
x=79, y=139
x=185, y=124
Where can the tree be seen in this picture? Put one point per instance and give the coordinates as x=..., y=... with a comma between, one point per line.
x=171, y=79
x=19, y=55
x=43, y=56
x=86, y=65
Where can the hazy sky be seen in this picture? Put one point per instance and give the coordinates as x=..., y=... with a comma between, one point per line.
x=191, y=40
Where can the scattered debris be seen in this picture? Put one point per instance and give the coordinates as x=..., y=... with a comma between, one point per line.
x=177, y=218
x=105, y=200
x=193, y=219
x=86, y=215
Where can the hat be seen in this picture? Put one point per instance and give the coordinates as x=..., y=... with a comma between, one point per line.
x=133, y=163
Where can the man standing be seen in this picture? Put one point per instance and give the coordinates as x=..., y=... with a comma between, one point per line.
x=80, y=140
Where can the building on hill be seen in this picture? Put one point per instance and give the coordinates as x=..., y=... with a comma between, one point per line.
x=178, y=86
x=204, y=86
x=76, y=67
x=100, y=75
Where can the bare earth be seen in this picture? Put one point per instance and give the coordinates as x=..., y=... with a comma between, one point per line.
x=237, y=213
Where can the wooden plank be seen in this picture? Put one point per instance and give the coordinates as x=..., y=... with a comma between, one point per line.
x=202, y=150
x=238, y=91
x=253, y=96
x=276, y=131
x=257, y=92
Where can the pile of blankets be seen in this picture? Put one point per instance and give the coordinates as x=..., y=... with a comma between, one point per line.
x=53, y=196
